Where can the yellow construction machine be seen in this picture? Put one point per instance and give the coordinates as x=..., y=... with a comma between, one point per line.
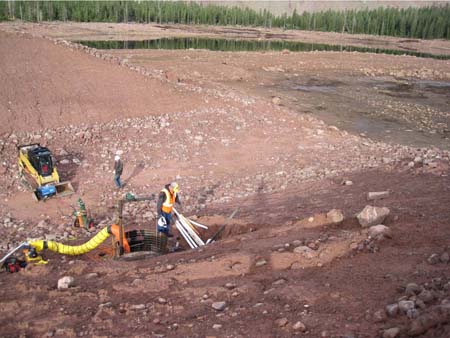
x=38, y=172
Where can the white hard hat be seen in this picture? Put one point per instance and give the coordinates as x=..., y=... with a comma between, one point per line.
x=174, y=186
x=117, y=158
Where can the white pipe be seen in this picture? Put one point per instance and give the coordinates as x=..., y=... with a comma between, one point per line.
x=197, y=224
x=192, y=233
x=189, y=231
x=186, y=236
x=189, y=240
x=186, y=222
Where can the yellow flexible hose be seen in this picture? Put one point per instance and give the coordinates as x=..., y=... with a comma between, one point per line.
x=73, y=250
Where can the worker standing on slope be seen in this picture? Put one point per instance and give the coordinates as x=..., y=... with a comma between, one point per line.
x=167, y=197
x=118, y=169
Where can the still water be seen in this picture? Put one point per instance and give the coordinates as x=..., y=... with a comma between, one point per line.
x=228, y=45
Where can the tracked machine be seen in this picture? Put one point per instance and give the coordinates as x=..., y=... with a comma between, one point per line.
x=38, y=172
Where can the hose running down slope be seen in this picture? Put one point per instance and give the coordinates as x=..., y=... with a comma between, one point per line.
x=90, y=245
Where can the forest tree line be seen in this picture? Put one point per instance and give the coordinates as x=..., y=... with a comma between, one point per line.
x=425, y=22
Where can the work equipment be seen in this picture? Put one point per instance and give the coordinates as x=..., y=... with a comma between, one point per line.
x=13, y=264
x=32, y=249
x=39, y=173
x=13, y=251
x=81, y=216
x=90, y=245
x=156, y=241
x=30, y=253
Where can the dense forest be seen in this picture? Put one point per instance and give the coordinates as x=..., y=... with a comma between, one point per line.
x=425, y=22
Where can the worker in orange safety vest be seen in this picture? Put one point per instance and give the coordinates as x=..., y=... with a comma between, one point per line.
x=167, y=198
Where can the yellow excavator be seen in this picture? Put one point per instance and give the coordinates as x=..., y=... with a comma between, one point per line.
x=38, y=172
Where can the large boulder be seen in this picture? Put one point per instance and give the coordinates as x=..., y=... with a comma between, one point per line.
x=371, y=215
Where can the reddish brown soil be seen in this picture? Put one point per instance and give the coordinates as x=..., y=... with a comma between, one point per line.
x=205, y=120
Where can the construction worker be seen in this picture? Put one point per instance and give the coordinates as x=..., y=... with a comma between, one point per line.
x=118, y=169
x=167, y=197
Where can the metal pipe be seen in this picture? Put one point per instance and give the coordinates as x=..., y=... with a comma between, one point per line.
x=121, y=250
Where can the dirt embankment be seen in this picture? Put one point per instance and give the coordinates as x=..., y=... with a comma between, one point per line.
x=44, y=85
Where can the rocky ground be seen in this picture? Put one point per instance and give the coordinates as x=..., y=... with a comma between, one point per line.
x=234, y=131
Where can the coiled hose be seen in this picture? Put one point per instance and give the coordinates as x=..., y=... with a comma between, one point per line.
x=90, y=245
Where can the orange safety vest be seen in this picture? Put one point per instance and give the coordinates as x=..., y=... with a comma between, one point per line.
x=170, y=200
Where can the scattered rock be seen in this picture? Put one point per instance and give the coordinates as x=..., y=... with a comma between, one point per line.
x=392, y=310
x=426, y=296
x=42, y=224
x=281, y=322
x=299, y=326
x=313, y=245
x=412, y=313
x=217, y=326
x=230, y=286
x=372, y=215
x=261, y=262
x=434, y=259
x=379, y=316
x=380, y=231
x=305, y=251
x=412, y=289
x=219, y=306
x=276, y=100
x=66, y=282
x=391, y=333
x=279, y=281
x=335, y=216
x=405, y=305
x=445, y=258
x=372, y=196
x=137, y=307
x=438, y=315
